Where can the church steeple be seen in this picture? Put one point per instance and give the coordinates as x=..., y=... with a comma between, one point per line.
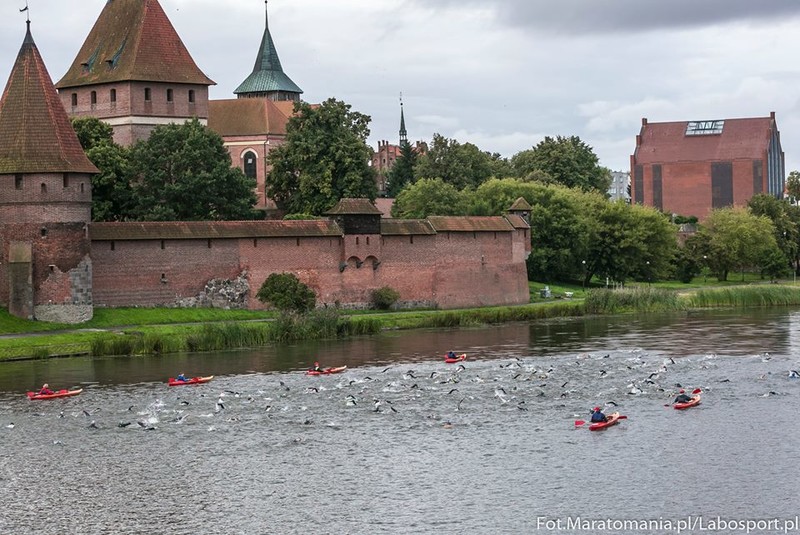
x=403, y=132
x=268, y=79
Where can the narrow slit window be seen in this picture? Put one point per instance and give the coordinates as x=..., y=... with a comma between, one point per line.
x=44, y=187
x=74, y=99
x=162, y=244
x=93, y=97
x=66, y=180
x=147, y=94
x=169, y=95
x=191, y=95
x=113, y=96
x=18, y=181
x=113, y=245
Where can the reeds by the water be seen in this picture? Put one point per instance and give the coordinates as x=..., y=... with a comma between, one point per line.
x=744, y=296
x=638, y=299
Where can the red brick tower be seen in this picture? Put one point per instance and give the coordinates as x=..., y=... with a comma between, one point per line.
x=135, y=73
x=45, y=199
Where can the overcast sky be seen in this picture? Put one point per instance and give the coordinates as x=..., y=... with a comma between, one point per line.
x=498, y=73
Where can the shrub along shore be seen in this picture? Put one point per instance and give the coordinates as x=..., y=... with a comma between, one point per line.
x=159, y=331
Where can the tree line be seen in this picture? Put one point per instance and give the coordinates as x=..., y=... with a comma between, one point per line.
x=183, y=172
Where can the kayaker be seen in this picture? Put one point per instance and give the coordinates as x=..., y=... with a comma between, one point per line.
x=182, y=378
x=451, y=355
x=317, y=367
x=682, y=397
x=45, y=391
x=598, y=416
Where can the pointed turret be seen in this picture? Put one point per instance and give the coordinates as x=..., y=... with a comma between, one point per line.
x=268, y=79
x=403, y=132
x=35, y=133
x=134, y=72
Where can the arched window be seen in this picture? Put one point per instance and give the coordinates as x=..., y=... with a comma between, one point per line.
x=44, y=187
x=250, y=164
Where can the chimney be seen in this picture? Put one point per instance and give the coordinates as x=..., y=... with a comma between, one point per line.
x=772, y=115
x=644, y=121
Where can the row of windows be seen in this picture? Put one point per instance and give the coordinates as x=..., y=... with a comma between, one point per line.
x=148, y=96
x=19, y=183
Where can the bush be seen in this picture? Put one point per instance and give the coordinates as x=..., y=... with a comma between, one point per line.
x=285, y=292
x=384, y=298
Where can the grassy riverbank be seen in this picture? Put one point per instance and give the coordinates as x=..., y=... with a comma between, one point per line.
x=155, y=331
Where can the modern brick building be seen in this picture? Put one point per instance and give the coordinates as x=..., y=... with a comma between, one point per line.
x=691, y=167
x=134, y=72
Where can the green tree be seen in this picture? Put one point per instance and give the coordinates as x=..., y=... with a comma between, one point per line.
x=568, y=160
x=285, y=292
x=324, y=159
x=630, y=242
x=461, y=165
x=734, y=239
x=784, y=218
x=183, y=173
x=428, y=197
x=793, y=185
x=111, y=187
x=402, y=172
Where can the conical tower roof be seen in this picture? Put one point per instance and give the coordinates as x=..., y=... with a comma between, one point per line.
x=267, y=75
x=35, y=133
x=133, y=40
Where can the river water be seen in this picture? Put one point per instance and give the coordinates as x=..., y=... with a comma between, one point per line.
x=403, y=443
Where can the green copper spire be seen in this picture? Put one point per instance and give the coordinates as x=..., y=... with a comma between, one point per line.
x=268, y=79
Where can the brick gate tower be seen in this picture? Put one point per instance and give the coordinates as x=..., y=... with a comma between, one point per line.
x=45, y=199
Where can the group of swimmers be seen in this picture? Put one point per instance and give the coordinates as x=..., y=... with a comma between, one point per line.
x=598, y=416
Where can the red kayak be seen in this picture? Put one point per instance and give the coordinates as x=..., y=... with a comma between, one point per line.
x=613, y=419
x=459, y=358
x=193, y=381
x=327, y=371
x=54, y=395
x=681, y=406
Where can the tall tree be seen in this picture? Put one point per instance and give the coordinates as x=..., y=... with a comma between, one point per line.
x=428, y=197
x=461, y=165
x=568, y=160
x=734, y=239
x=111, y=189
x=402, y=172
x=793, y=185
x=325, y=158
x=782, y=215
x=183, y=172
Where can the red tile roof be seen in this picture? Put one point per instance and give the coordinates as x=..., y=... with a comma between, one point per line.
x=192, y=230
x=249, y=116
x=517, y=221
x=385, y=206
x=35, y=133
x=354, y=207
x=406, y=227
x=470, y=224
x=740, y=139
x=133, y=40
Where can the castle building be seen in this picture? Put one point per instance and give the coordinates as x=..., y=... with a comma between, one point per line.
x=134, y=72
x=691, y=167
x=45, y=199
x=254, y=123
x=55, y=265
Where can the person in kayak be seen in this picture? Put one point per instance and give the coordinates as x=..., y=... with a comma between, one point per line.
x=45, y=391
x=682, y=397
x=182, y=378
x=598, y=416
x=451, y=354
x=317, y=368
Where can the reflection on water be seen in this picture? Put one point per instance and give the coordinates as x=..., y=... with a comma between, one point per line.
x=403, y=443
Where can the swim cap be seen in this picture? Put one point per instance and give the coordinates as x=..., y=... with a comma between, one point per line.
x=596, y=409
x=682, y=392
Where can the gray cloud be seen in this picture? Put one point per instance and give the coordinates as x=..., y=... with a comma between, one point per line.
x=604, y=16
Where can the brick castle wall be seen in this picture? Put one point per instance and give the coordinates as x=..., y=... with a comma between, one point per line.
x=448, y=270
